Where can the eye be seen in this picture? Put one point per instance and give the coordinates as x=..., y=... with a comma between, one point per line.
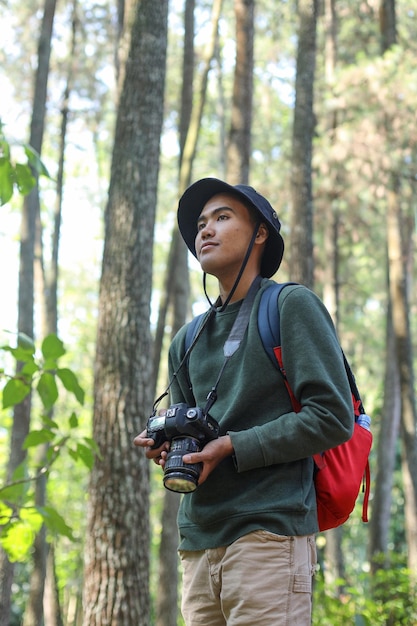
x=200, y=226
x=222, y=216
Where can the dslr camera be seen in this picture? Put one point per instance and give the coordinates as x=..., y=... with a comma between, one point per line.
x=188, y=429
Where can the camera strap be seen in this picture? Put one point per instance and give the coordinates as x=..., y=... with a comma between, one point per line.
x=235, y=337
x=184, y=359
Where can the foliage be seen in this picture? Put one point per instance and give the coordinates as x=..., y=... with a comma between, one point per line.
x=15, y=175
x=389, y=597
x=20, y=518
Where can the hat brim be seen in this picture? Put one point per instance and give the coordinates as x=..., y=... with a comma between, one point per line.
x=195, y=198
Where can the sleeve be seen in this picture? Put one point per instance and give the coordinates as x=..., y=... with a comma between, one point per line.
x=314, y=367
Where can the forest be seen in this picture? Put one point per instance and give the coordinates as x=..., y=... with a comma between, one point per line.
x=108, y=112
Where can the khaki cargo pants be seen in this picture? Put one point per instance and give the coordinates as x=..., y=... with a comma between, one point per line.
x=262, y=579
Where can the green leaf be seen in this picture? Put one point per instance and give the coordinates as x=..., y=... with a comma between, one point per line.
x=13, y=493
x=52, y=347
x=84, y=454
x=6, y=180
x=29, y=369
x=70, y=382
x=73, y=421
x=37, y=437
x=4, y=147
x=93, y=445
x=49, y=422
x=47, y=390
x=36, y=162
x=55, y=522
x=6, y=514
x=18, y=537
x=14, y=391
x=25, y=348
x=24, y=178
x=16, y=490
x=73, y=454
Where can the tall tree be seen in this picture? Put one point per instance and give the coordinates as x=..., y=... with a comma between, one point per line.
x=117, y=550
x=385, y=454
x=239, y=143
x=46, y=279
x=30, y=219
x=301, y=244
x=177, y=277
x=399, y=307
x=335, y=567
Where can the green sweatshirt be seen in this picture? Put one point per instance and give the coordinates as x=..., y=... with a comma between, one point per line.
x=268, y=483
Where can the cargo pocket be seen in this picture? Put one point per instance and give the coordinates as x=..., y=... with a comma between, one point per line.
x=301, y=584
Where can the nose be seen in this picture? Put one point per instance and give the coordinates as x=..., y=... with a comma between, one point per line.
x=205, y=231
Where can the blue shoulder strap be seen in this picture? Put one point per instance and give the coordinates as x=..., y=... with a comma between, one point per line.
x=268, y=320
x=192, y=330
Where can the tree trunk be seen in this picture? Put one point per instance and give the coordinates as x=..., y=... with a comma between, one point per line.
x=301, y=244
x=403, y=352
x=51, y=603
x=21, y=420
x=116, y=588
x=333, y=553
x=386, y=453
x=190, y=144
x=399, y=298
x=46, y=279
x=239, y=144
x=167, y=592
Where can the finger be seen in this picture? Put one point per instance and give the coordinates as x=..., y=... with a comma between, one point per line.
x=189, y=458
x=144, y=442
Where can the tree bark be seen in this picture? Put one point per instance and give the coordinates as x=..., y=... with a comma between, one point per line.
x=399, y=300
x=386, y=453
x=190, y=144
x=403, y=355
x=21, y=421
x=301, y=244
x=46, y=280
x=116, y=587
x=239, y=144
x=51, y=602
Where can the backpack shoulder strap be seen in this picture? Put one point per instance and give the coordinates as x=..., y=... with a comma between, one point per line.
x=192, y=330
x=268, y=320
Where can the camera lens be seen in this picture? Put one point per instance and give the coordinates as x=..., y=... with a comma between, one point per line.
x=179, y=476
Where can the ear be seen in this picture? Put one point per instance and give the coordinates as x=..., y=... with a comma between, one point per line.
x=263, y=234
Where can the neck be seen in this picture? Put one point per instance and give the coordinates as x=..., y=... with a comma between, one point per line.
x=241, y=290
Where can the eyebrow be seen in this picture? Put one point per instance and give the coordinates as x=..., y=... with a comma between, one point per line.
x=215, y=211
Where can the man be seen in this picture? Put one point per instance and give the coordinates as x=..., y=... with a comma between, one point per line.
x=247, y=531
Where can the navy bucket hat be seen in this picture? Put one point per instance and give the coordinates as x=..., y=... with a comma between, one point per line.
x=195, y=197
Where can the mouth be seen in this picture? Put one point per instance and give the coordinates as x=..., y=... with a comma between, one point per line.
x=207, y=245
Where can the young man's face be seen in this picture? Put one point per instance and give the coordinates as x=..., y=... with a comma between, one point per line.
x=225, y=228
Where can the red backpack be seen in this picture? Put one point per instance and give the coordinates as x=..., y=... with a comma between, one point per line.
x=342, y=470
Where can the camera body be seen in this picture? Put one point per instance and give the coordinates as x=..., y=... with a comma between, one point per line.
x=188, y=429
